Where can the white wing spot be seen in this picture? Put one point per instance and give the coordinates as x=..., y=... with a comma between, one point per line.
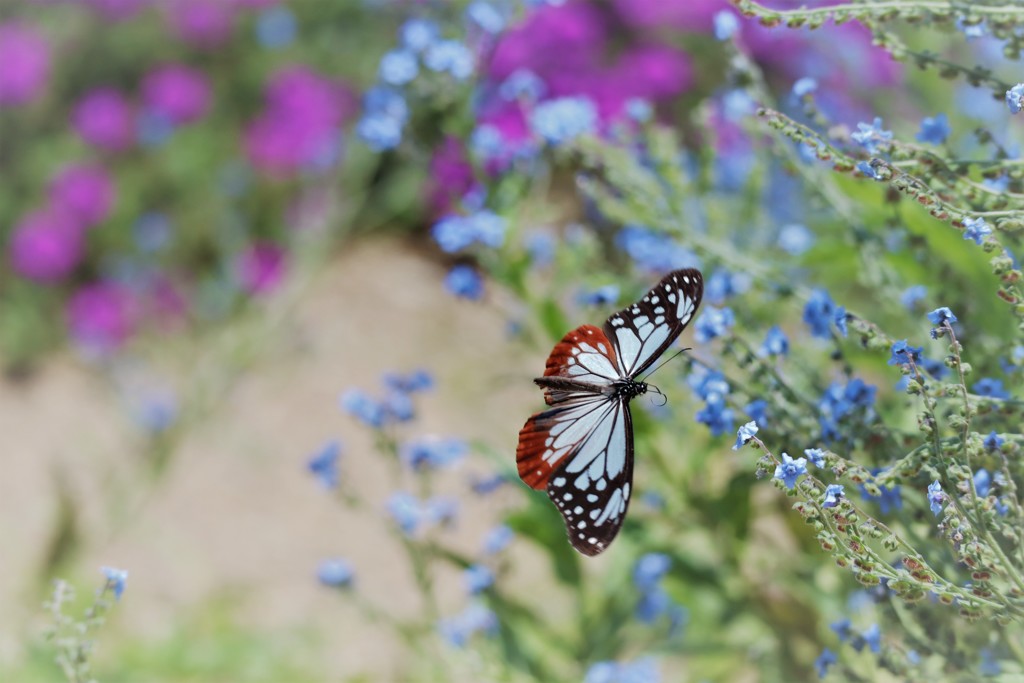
x=591, y=498
x=594, y=514
x=672, y=298
x=582, y=482
x=578, y=509
x=657, y=321
x=625, y=489
x=602, y=484
x=591, y=540
x=581, y=525
x=567, y=496
x=559, y=481
x=655, y=300
x=686, y=279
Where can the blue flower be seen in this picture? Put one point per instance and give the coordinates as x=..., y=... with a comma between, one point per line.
x=716, y=415
x=825, y=660
x=993, y=442
x=406, y=512
x=464, y=282
x=522, y=84
x=1013, y=98
x=989, y=666
x=869, y=136
x=941, y=315
x=804, y=86
x=398, y=67
x=486, y=16
x=795, y=239
x=643, y=670
x=477, y=578
x=560, y=120
x=833, y=492
x=418, y=34
x=654, y=252
x=706, y=383
x=486, y=142
x=722, y=284
x=934, y=129
x=775, y=343
x=602, y=296
x=935, y=368
x=911, y=295
x=990, y=387
x=757, y=410
x=476, y=618
x=497, y=539
x=116, y=580
x=976, y=229
x=639, y=109
x=712, y=323
x=360, y=405
x=821, y=313
x=379, y=132
x=935, y=497
x=843, y=629
x=745, y=434
x=649, y=569
x=451, y=57
x=324, y=464
x=485, y=485
x=433, y=453
x=872, y=637
x=789, y=470
x=869, y=170
x=335, y=573
x=726, y=24
x=418, y=380
x=276, y=27
x=982, y=482
x=816, y=456
x=904, y=354
x=440, y=510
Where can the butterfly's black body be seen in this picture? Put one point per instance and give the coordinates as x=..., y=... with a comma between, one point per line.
x=580, y=450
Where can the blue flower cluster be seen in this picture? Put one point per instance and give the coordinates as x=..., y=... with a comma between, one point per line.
x=643, y=670
x=654, y=252
x=432, y=453
x=840, y=401
x=396, y=406
x=820, y=313
x=464, y=282
x=563, y=119
x=871, y=135
x=411, y=514
x=712, y=388
x=934, y=129
x=724, y=284
x=476, y=618
x=654, y=601
x=602, y=296
x=713, y=323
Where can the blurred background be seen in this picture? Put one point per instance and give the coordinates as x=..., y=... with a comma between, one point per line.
x=246, y=360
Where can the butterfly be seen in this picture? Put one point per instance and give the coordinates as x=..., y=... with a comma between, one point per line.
x=580, y=450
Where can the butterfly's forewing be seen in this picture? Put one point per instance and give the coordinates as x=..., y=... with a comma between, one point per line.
x=640, y=333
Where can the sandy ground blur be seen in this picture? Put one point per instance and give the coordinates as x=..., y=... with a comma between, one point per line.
x=235, y=516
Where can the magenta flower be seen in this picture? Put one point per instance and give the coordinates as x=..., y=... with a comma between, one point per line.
x=102, y=316
x=85, y=192
x=203, y=23
x=45, y=245
x=301, y=125
x=689, y=15
x=260, y=268
x=451, y=176
x=25, y=56
x=552, y=39
x=103, y=118
x=176, y=92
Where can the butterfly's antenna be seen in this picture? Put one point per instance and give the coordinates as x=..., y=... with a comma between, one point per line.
x=659, y=393
x=664, y=362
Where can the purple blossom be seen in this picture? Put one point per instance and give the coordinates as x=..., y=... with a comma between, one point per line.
x=102, y=316
x=25, y=55
x=45, y=245
x=178, y=93
x=84, y=191
x=202, y=23
x=259, y=268
x=103, y=118
x=117, y=10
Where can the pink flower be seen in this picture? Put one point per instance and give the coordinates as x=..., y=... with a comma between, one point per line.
x=203, y=23
x=103, y=118
x=45, y=245
x=102, y=315
x=260, y=268
x=177, y=92
x=84, y=191
x=25, y=60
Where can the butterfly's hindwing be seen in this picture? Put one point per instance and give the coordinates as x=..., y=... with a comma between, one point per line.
x=550, y=436
x=592, y=487
x=640, y=333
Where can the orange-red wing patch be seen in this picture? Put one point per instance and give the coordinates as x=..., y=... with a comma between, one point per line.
x=533, y=469
x=565, y=353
